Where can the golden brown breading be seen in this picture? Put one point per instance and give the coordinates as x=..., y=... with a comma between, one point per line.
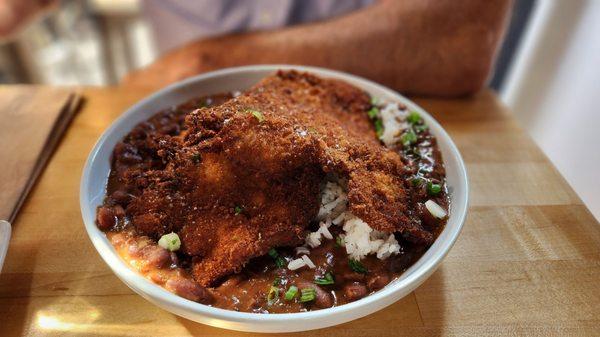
x=245, y=175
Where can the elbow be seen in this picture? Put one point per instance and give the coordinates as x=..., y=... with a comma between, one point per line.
x=470, y=78
x=465, y=74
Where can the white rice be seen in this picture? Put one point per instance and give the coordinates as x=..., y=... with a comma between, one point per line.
x=359, y=238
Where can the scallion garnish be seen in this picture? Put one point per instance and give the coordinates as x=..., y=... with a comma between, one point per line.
x=273, y=253
x=339, y=241
x=307, y=294
x=170, y=241
x=373, y=113
x=433, y=189
x=416, y=181
x=257, y=114
x=272, y=295
x=357, y=266
x=374, y=100
x=408, y=138
x=291, y=293
x=378, y=123
x=277, y=281
x=413, y=118
x=327, y=279
x=195, y=157
x=279, y=261
x=238, y=210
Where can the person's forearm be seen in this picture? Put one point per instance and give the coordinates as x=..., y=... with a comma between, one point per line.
x=436, y=47
x=16, y=14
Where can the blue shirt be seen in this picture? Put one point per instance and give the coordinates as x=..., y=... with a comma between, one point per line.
x=177, y=22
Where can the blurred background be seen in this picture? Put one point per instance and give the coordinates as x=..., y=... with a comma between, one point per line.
x=546, y=73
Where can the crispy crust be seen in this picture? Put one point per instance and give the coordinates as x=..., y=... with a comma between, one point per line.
x=271, y=165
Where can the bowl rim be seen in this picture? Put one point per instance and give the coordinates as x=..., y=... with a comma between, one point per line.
x=135, y=280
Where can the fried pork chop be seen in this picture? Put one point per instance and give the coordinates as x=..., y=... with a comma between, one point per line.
x=245, y=176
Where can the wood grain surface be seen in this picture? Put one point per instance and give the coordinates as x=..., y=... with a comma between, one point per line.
x=526, y=263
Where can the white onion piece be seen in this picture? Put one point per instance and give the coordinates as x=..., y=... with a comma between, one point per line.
x=436, y=210
x=296, y=264
x=308, y=262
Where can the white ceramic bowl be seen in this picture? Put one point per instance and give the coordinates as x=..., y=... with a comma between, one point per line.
x=4, y=240
x=95, y=174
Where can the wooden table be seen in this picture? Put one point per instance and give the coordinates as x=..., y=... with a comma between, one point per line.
x=526, y=263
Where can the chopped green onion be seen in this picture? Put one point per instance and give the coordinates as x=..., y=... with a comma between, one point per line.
x=417, y=181
x=291, y=293
x=272, y=295
x=273, y=253
x=339, y=241
x=425, y=170
x=373, y=113
x=374, y=100
x=327, y=279
x=238, y=210
x=378, y=123
x=433, y=189
x=357, y=266
x=307, y=294
x=279, y=261
x=413, y=118
x=257, y=114
x=277, y=281
x=195, y=157
x=409, y=137
x=170, y=241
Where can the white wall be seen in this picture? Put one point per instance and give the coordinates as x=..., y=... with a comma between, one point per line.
x=554, y=90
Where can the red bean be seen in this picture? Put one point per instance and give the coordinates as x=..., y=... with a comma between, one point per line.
x=323, y=299
x=118, y=239
x=231, y=282
x=106, y=218
x=133, y=249
x=353, y=276
x=400, y=262
x=158, y=277
x=157, y=256
x=377, y=282
x=119, y=211
x=121, y=197
x=189, y=289
x=355, y=291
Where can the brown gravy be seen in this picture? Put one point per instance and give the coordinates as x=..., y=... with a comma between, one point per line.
x=261, y=286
